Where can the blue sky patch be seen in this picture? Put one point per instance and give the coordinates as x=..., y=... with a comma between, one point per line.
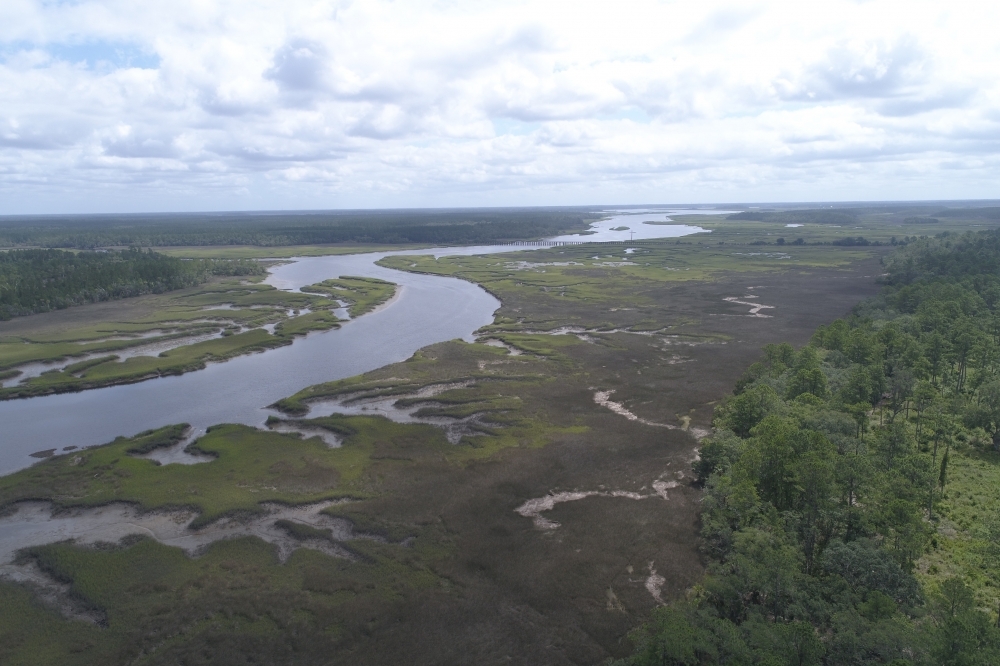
x=95, y=55
x=510, y=126
x=632, y=113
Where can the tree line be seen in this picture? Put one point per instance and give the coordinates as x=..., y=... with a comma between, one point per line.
x=294, y=228
x=40, y=280
x=822, y=476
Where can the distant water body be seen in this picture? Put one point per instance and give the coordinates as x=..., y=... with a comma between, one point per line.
x=428, y=309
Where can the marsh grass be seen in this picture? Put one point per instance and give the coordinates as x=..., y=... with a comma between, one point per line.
x=874, y=226
x=362, y=294
x=108, y=370
x=249, y=305
x=249, y=467
x=542, y=345
x=163, y=607
x=236, y=598
x=59, y=335
x=473, y=577
x=596, y=275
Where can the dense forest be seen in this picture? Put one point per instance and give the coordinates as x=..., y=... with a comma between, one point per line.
x=291, y=228
x=40, y=280
x=828, y=482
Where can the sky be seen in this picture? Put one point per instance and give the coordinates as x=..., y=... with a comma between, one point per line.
x=125, y=106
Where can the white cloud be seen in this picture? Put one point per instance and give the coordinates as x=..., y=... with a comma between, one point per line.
x=118, y=105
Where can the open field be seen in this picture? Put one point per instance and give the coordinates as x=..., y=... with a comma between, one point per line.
x=967, y=530
x=533, y=508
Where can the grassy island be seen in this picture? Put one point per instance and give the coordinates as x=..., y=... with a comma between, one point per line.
x=209, y=323
x=362, y=295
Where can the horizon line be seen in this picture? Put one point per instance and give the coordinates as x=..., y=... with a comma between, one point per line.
x=428, y=209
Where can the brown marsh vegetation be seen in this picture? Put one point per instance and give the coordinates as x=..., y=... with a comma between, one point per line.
x=460, y=574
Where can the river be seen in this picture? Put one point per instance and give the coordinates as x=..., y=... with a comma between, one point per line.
x=427, y=309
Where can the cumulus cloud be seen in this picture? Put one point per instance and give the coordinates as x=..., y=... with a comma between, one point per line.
x=298, y=65
x=117, y=105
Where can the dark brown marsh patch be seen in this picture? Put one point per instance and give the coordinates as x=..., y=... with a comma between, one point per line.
x=306, y=475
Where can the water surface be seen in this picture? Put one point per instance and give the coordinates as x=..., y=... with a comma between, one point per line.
x=639, y=227
x=426, y=310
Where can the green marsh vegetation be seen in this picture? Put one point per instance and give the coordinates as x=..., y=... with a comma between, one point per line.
x=606, y=275
x=236, y=601
x=884, y=225
x=459, y=380
x=250, y=467
x=850, y=507
x=473, y=574
x=234, y=604
x=592, y=276
x=222, y=319
x=361, y=294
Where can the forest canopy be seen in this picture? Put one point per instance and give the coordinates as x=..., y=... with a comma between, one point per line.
x=40, y=280
x=828, y=482
x=291, y=228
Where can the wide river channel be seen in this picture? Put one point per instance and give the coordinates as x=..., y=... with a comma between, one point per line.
x=426, y=309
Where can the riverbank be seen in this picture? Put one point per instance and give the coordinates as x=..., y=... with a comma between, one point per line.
x=239, y=390
x=209, y=324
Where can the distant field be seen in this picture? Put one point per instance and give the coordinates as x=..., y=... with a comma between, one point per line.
x=871, y=227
